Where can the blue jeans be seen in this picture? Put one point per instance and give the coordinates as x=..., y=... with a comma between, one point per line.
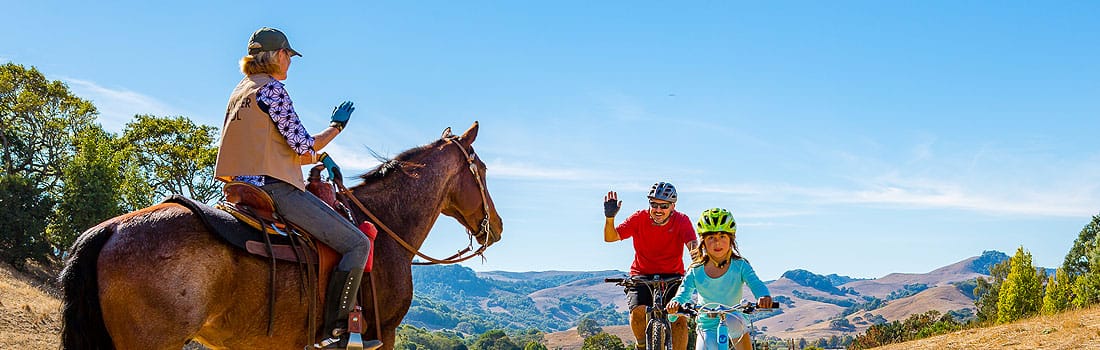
x=310, y=213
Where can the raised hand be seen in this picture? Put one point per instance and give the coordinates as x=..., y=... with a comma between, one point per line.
x=341, y=114
x=611, y=204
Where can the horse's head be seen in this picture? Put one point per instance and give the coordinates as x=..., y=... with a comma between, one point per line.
x=468, y=199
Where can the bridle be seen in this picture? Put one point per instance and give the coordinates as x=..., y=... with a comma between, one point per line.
x=484, y=228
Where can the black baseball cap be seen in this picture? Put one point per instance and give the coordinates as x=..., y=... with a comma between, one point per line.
x=269, y=39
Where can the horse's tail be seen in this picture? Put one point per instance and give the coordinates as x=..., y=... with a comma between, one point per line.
x=82, y=325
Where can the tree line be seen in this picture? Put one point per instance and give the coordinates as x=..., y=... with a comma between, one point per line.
x=62, y=173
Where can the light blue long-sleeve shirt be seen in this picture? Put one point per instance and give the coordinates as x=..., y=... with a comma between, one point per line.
x=725, y=289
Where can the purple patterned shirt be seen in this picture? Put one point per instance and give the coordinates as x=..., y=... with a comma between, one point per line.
x=275, y=101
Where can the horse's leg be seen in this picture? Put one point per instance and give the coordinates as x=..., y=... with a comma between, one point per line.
x=157, y=280
x=395, y=290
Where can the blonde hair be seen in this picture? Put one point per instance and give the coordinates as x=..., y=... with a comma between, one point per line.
x=701, y=256
x=261, y=62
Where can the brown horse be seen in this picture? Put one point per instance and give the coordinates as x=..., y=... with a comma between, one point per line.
x=157, y=278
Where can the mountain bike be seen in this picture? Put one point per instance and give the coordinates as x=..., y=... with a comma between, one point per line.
x=721, y=332
x=658, y=331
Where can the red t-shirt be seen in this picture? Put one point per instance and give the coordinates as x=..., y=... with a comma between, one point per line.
x=657, y=249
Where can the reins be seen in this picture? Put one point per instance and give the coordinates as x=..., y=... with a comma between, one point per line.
x=483, y=228
x=458, y=257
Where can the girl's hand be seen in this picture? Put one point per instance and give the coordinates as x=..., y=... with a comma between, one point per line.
x=765, y=302
x=672, y=307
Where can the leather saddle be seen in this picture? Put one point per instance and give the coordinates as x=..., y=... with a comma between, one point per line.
x=248, y=220
x=255, y=208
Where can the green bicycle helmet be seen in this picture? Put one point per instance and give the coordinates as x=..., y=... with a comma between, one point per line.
x=715, y=220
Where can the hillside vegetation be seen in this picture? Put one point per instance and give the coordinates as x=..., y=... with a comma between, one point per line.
x=1078, y=329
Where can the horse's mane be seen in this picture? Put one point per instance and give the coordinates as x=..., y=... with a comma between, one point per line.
x=402, y=162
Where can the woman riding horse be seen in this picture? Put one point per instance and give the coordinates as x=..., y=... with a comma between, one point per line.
x=264, y=144
x=157, y=278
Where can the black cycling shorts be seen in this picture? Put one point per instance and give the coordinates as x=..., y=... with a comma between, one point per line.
x=640, y=296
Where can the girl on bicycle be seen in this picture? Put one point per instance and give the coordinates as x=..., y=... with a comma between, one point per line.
x=718, y=274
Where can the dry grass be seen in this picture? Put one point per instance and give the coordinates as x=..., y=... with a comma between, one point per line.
x=30, y=317
x=1079, y=329
x=571, y=340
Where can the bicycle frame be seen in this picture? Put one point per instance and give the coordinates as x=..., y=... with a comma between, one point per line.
x=658, y=329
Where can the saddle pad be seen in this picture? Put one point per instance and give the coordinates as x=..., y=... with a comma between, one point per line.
x=239, y=234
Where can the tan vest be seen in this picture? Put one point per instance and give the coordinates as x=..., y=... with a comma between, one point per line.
x=251, y=143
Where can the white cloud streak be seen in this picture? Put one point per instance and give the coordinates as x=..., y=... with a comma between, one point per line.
x=522, y=171
x=925, y=194
x=118, y=106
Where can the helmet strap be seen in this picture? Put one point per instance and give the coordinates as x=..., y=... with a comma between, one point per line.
x=723, y=262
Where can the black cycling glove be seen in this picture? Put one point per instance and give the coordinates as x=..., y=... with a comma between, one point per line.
x=611, y=207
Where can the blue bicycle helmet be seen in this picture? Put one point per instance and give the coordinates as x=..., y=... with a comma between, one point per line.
x=663, y=191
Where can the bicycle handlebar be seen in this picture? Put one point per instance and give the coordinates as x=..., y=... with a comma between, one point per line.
x=646, y=279
x=693, y=310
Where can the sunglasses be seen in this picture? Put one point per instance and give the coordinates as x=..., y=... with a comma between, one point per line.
x=656, y=205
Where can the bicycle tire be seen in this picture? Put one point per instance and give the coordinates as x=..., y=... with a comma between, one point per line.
x=658, y=335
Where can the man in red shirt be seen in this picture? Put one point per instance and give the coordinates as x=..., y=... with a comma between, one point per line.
x=660, y=235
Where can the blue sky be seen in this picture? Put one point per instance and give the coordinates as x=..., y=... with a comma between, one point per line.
x=850, y=137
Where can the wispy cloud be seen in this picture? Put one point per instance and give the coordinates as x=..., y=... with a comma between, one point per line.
x=118, y=106
x=926, y=194
x=353, y=160
x=525, y=171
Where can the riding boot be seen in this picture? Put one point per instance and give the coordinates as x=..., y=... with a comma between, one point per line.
x=343, y=287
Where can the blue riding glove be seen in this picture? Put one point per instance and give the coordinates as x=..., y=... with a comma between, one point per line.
x=330, y=165
x=341, y=114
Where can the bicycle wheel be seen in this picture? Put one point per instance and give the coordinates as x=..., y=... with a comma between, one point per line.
x=657, y=336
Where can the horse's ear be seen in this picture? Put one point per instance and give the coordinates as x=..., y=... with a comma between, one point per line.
x=470, y=134
x=446, y=133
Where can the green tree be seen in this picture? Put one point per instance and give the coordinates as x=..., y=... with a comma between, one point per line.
x=1021, y=293
x=39, y=119
x=412, y=338
x=534, y=346
x=1083, y=266
x=987, y=292
x=603, y=341
x=588, y=327
x=23, y=212
x=530, y=335
x=1058, y=293
x=495, y=340
x=1076, y=262
x=90, y=191
x=172, y=155
x=1086, y=287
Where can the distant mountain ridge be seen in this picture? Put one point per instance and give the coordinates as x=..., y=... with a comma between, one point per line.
x=457, y=298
